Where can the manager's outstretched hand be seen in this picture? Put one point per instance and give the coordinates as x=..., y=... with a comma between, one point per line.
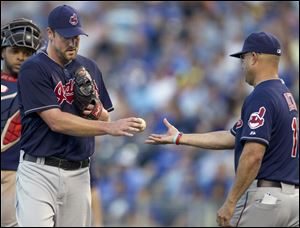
x=163, y=139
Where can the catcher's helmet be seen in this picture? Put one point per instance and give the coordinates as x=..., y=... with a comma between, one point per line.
x=21, y=32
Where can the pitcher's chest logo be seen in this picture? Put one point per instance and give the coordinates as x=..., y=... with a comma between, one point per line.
x=65, y=92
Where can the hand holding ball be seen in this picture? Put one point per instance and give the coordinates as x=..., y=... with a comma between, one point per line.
x=143, y=125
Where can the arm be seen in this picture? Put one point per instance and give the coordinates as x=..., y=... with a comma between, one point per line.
x=247, y=170
x=249, y=165
x=96, y=208
x=217, y=140
x=214, y=140
x=70, y=124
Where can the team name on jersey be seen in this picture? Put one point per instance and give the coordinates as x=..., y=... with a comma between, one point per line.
x=66, y=92
x=290, y=101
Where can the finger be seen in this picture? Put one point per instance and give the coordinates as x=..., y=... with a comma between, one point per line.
x=86, y=112
x=149, y=141
x=154, y=138
x=166, y=122
x=157, y=140
x=136, y=125
x=134, y=129
x=90, y=106
x=218, y=220
x=226, y=222
x=156, y=135
x=134, y=119
x=125, y=133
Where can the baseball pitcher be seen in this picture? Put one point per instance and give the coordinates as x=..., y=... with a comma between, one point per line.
x=63, y=104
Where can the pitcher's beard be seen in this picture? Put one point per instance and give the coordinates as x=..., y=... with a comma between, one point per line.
x=63, y=56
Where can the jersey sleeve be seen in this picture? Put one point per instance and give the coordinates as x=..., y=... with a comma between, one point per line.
x=233, y=130
x=257, y=118
x=35, y=89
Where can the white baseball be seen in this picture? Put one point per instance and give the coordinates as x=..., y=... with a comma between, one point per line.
x=143, y=124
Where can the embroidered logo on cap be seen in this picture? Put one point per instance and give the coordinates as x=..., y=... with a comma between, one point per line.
x=73, y=19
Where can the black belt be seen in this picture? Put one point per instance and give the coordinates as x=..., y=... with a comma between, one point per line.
x=60, y=163
x=267, y=183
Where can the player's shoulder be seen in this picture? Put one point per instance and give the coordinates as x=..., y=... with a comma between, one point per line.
x=270, y=85
x=267, y=93
x=36, y=66
x=269, y=89
x=88, y=63
x=34, y=60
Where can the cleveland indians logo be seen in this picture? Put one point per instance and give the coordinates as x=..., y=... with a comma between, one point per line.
x=73, y=19
x=65, y=92
x=239, y=124
x=256, y=119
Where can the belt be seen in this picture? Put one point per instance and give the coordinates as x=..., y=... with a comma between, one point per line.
x=60, y=163
x=267, y=183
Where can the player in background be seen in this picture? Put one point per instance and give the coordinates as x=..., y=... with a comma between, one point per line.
x=265, y=191
x=20, y=38
x=53, y=179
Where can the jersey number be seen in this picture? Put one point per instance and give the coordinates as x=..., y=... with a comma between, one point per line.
x=295, y=137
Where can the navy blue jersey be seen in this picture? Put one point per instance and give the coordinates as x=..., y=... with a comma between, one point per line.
x=43, y=84
x=10, y=123
x=269, y=116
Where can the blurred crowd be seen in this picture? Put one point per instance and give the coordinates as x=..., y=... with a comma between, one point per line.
x=171, y=59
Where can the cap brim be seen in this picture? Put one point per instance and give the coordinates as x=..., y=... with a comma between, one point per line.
x=238, y=55
x=70, y=32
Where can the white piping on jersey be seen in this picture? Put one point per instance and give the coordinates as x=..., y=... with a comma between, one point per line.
x=110, y=109
x=35, y=109
x=9, y=96
x=43, y=107
x=260, y=139
x=233, y=131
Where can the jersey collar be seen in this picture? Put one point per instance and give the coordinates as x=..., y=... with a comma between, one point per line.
x=45, y=53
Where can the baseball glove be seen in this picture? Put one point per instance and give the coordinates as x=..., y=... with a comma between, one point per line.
x=85, y=94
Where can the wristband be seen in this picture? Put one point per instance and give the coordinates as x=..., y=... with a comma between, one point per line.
x=175, y=137
x=178, y=138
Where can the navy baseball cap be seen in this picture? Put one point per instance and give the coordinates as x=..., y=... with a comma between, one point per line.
x=260, y=42
x=65, y=21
